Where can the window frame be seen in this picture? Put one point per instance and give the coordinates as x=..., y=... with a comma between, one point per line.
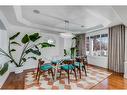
x=92, y=36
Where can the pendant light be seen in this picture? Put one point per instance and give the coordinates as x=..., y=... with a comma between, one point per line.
x=66, y=34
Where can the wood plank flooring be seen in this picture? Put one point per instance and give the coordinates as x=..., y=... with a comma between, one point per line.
x=114, y=81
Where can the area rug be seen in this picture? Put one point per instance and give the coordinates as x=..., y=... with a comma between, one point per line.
x=94, y=76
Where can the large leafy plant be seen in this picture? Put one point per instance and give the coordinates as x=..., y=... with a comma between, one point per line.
x=73, y=47
x=30, y=46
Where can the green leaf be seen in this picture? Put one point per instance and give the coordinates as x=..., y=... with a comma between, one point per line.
x=24, y=59
x=32, y=58
x=34, y=37
x=36, y=47
x=72, y=52
x=11, y=61
x=37, y=52
x=14, y=36
x=15, y=43
x=65, y=52
x=28, y=51
x=44, y=45
x=12, y=50
x=25, y=39
x=4, y=69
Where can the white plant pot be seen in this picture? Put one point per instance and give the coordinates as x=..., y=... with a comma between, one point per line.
x=18, y=70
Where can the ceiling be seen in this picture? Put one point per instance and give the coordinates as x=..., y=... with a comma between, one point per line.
x=52, y=18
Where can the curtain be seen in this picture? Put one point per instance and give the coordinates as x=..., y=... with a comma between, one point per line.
x=80, y=44
x=116, y=48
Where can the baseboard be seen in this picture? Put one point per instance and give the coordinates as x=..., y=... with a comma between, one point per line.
x=97, y=66
x=125, y=76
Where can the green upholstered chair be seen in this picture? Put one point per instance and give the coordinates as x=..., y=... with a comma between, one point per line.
x=55, y=62
x=42, y=68
x=80, y=64
x=67, y=67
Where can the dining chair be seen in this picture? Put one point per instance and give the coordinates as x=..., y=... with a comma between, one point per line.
x=67, y=67
x=42, y=68
x=80, y=64
x=86, y=61
x=55, y=60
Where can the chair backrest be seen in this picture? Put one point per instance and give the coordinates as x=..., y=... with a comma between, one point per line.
x=68, y=62
x=40, y=62
x=79, y=59
x=82, y=60
x=85, y=60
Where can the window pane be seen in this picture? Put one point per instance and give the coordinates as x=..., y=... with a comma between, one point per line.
x=96, y=45
x=104, y=44
x=87, y=45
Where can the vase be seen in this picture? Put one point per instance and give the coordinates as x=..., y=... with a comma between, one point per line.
x=18, y=70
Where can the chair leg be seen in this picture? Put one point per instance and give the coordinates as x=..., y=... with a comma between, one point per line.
x=70, y=71
x=75, y=74
x=80, y=72
x=68, y=77
x=77, y=69
x=52, y=74
x=37, y=74
x=60, y=73
x=82, y=69
x=54, y=71
x=85, y=70
x=48, y=72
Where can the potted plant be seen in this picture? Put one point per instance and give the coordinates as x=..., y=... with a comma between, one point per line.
x=30, y=46
x=73, y=47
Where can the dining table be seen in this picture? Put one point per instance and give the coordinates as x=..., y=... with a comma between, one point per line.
x=57, y=63
x=57, y=66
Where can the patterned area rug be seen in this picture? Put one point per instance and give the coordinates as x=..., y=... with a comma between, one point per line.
x=94, y=76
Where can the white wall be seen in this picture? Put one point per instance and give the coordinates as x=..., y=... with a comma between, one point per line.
x=98, y=60
x=3, y=45
x=47, y=53
x=125, y=63
x=58, y=50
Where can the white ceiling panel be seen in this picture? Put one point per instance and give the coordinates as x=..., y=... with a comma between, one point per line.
x=52, y=17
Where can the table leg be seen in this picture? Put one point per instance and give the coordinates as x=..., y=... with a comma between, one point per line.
x=55, y=73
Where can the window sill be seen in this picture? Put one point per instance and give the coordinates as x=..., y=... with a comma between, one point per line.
x=93, y=56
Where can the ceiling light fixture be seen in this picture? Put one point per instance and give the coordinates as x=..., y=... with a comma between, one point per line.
x=82, y=26
x=36, y=11
x=66, y=34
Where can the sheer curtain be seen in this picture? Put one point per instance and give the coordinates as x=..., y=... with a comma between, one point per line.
x=116, y=49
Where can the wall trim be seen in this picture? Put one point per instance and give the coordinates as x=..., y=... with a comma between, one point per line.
x=125, y=76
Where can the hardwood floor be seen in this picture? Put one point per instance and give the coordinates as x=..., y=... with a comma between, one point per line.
x=114, y=81
x=15, y=81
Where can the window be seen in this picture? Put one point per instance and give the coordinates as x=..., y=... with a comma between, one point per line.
x=50, y=40
x=87, y=45
x=104, y=44
x=97, y=45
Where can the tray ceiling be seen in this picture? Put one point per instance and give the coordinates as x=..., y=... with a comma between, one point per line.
x=51, y=18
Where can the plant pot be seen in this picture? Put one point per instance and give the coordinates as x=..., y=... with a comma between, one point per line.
x=18, y=70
